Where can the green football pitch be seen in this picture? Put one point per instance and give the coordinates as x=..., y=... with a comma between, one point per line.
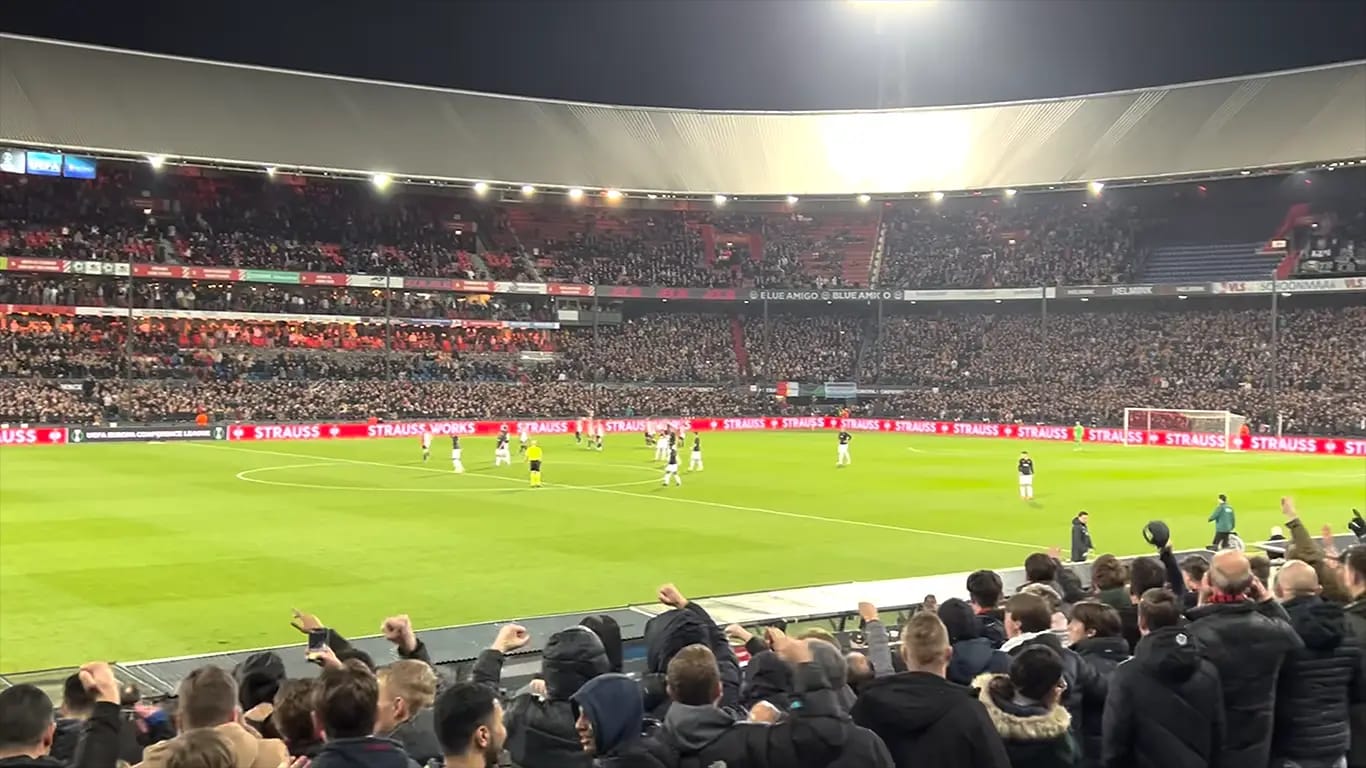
x=130, y=552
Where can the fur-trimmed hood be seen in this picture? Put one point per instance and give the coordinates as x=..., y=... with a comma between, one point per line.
x=1016, y=722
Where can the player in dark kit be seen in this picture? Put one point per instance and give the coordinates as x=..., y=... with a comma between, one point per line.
x=671, y=468
x=695, y=463
x=456, y=464
x=1026, y=470
x=842, y=458
x=502, y=454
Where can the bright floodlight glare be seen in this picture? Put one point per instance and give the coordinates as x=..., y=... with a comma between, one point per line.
x=270, y=171
x=891, y=5
x=1096, y=187
x=652, y=196
x=528, y=190
x=720, y=199
x=791, y=199
x=381, y=180
x=863, y=199
x=156, y=161
x=936, y=196
x=613, y=194
x=575, y=193
x=1010, y=193
x=480, y=188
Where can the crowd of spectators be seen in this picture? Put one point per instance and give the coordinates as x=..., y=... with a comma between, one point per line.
x=812, y=348
x=978, y=244
x=1203, y=662
x=668, y=348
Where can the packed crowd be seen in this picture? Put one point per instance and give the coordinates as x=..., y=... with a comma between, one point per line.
x=1205, y=662
x=996, y=367
x=973, y=244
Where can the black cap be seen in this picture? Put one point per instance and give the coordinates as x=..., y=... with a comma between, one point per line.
x=1157, y=533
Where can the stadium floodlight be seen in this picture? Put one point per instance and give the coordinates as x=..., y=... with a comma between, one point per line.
x=1202, y=429
x=791, y=199
x=1096, y=187
x=270, y=171
x=720, y=199
x=864, y=199
x=156, y=161
x=480, y=188
x=613, y=194
x=575, y=193
x=381, y=180
x=1011, y=193
x=528, y=190
x=936, y=196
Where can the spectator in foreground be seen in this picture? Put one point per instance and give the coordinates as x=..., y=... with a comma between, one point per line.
x=1028, y=622
x=1353, y=571
x=1165, y=708
x=609, y=716
x=78, y=704
x=541, y=732
x=1025, y=706
x=1094, y=634
x=922, y=717
x=1321, y=681
x=346, y=709
x=208, y=699
x=1193, y=570
x=203, y=748
x=1248, y=647
x=973, y=654
x=984, y=589
x=292, y=716
x=27, y=727
x=469, y=725
x=407, y=689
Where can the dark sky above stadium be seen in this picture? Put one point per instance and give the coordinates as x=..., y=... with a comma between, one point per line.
x=733, y=54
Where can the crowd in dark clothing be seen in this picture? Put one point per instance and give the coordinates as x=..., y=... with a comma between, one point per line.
x=1256, y=673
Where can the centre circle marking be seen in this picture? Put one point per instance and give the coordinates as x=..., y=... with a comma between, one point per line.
x=246, y=475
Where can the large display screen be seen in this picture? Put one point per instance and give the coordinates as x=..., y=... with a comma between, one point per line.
x=44, y=163
x=13, y=160
x=78, y=167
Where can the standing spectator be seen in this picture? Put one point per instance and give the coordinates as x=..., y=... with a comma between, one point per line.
x=407, y=690
x=208, y=699
x=922, y=717
x=1025, y=706
x=292, y=716
x=203, y=748
x=541, y=732
x=1303, y=547
x=1081, y=537
x=346, y=709
x=26, y=728
x=610, y=714
x=1193, y=570
x=469, y=725
x=984, y=589
x=1165, y=708
x=1353, y=572
x=1028, y=622
x=972, y=654
x=78, y=704
x=1248, y=648
x=1094, y=634
x=1321, y=681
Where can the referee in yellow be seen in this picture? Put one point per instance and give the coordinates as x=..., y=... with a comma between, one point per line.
x=533, y=458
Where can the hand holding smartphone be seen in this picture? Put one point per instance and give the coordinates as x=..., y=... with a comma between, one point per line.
x=317, y=645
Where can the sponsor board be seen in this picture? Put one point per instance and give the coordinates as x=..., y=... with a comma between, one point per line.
x=77, y=435
x=33, y=435
x=34, y=265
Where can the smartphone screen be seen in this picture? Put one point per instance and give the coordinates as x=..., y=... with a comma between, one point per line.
x=317, y=641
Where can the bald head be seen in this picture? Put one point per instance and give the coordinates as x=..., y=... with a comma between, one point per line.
x=1230, y=573
x=860, y=668
x=1297, y=579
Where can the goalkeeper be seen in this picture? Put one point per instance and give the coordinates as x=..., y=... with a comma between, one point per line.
x=1078, y=432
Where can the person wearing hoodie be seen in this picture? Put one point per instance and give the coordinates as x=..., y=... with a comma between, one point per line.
x=77, y=706
x=767, y=682
x=923, y=718
x=345, y=710
x=1237, y=632
x=609, y=716
x=208, y=699
x=687, y=623
x=1320, y=682
x=258, y=680
x=407, y=690
x=540, y=728
x=1165, y=707
x=1094, y=634
x=697, y=731
x=1026, y=708
x=972, y=654
x=609, y=632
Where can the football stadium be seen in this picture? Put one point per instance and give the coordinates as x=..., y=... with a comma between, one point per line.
x=1029, y=433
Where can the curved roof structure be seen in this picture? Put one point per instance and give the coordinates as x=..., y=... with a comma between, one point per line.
x=97, y=99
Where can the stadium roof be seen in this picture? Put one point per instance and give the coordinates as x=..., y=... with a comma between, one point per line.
x=64, y=95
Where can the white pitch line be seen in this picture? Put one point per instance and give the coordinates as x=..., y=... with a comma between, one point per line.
x=657, y=497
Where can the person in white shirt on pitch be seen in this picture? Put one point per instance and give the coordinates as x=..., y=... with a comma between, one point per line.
x=455, y=455
x=426, y=446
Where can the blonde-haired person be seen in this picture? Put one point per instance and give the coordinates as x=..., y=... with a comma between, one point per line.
x=407, y=690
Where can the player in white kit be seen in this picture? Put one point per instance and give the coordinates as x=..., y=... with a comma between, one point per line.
x=598, y=436
x=662, y=445
x=523, y=437
x=455, y=455
x=426, y=446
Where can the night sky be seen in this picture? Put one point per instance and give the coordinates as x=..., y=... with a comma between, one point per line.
x=735, y=54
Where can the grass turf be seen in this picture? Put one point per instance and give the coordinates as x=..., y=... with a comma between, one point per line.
x=139, y=551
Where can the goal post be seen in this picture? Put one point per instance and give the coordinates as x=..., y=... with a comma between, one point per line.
x=1226, y=423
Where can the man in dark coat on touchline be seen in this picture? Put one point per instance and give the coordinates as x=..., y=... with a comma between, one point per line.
x=1319, y=682
x=1165, y=706
x=923, y=718
x=1237, y=632
x=1081, y=537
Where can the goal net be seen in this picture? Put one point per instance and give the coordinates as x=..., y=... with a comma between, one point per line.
x=1211, y=429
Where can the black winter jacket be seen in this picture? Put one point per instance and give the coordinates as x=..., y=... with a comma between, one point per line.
x=817, y=735
x=97, y=744
x=975, y=657
x=671, y=632
x=1318, y=685
x=927, y=720
x=1085, y=688
x=1104, y=654
x=1165, y=707
x=541, y=731
x=1248, y=647
x=1034, y=736
x=417, y=736
x=1355, y=614
x=366, y=752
